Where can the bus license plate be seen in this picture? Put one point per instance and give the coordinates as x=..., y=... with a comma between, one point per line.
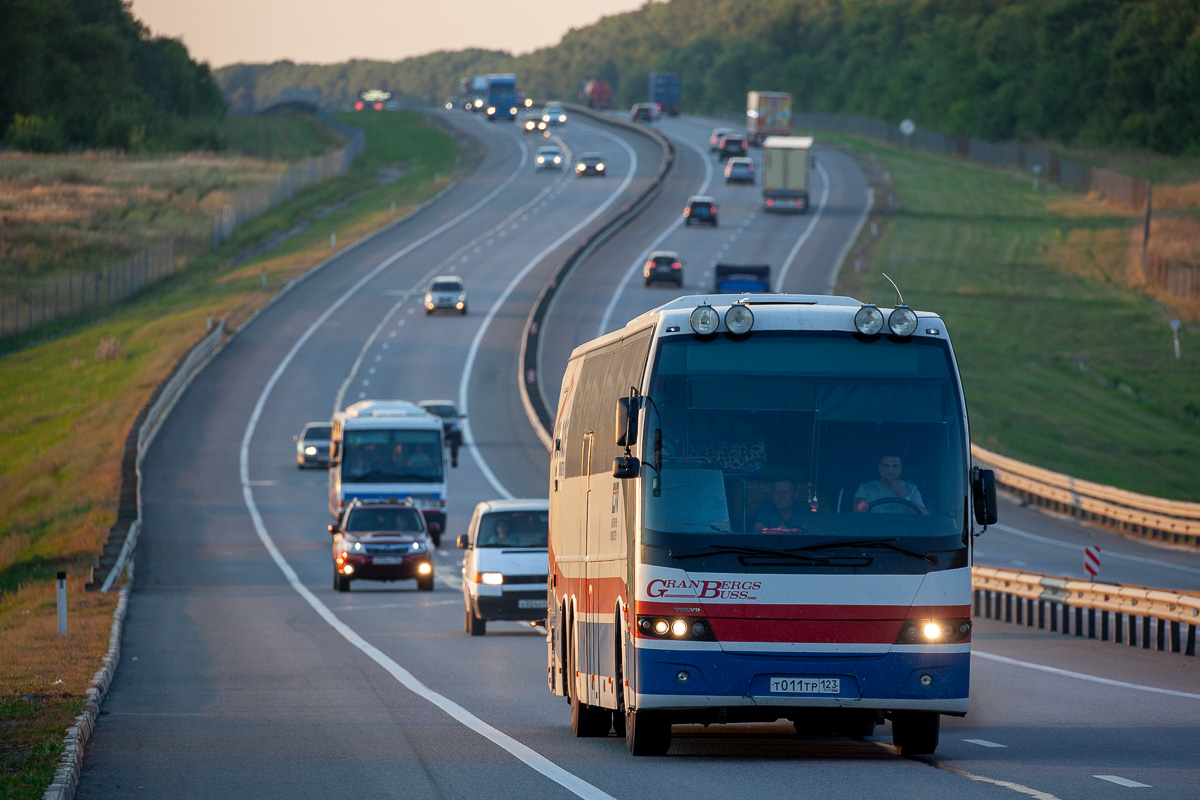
x=384, y=561
x=806, y=685
x=534, y=603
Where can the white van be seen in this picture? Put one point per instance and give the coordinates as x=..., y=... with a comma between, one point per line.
x=505, y=563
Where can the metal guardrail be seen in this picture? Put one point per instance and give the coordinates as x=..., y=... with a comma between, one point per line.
x=1171, y=521
x=1133, y=615
x=528, y=373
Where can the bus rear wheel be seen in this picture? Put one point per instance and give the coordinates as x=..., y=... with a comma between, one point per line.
x=587, y=721
x=647, y=733
x=915, y=733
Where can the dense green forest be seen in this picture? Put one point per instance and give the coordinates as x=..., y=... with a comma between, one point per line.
x=1110, y=73
x=85, y=73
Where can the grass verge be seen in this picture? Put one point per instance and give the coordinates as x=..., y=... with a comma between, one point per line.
x=1065, y=364
x=67, y=404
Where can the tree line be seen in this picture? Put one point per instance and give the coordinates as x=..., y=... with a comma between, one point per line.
x=86, y=73
x=1106, y=73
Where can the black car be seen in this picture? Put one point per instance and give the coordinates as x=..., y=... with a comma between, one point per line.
x=732, y=144
x=642, y=112
x=382, y=540
x=701, y=210
x=590, y=164
x=665, y=266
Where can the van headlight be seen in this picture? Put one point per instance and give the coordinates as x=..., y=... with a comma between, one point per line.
x=492, y=578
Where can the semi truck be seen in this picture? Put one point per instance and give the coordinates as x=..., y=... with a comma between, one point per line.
x=596, y=93
x=768, y=114
x=665, y=90
x=785, y=164
x=501, y=100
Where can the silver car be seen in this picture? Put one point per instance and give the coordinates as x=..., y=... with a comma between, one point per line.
x=312, y=445
x=446, y=293
x=554, y=115
x=548, y=157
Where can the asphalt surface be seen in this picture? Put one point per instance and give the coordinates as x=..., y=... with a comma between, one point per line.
x=244, y=674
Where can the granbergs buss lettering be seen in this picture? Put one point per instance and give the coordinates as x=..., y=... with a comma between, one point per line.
x=704, y=590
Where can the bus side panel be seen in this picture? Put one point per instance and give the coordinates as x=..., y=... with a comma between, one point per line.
x=564, y=535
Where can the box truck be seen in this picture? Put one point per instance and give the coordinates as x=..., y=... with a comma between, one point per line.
x=785, y=164
x=768, y=114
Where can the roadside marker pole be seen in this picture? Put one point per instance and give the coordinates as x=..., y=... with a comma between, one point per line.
x=62, y=604
x=1091, y=561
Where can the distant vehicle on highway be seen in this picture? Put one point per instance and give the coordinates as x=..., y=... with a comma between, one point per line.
x=381, y=540
x=701, y=210
x=739, y=170
x=446, y=293
x=447, y=411
x=642, y=112
x=554, y=114
x=596, y=93
x=532, y=122
x=505, y=563
x=590, y=164
x=664, y=266
x=450, y=103
x=732, y=144
x=714, y=139
x=741, y=278
x=312, y=445
x=548, y=157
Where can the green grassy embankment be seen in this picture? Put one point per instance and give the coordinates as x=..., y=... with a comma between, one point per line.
x=66, y=404
x=1066, y=362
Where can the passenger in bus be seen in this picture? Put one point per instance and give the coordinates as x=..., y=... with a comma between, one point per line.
x=781, y=512
x=889, y=494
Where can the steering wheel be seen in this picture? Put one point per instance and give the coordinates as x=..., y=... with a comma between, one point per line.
x=904, y=501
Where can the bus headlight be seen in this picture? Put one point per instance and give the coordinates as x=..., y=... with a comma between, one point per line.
x=902, y=321
x=704, y=320
x=692, y=628
x=868, y=320
x=929, y=631
x=739, y=319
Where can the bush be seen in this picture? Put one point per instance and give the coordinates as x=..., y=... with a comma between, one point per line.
x=36, y=134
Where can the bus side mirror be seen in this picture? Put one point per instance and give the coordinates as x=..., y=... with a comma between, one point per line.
x=983, y=495
x=625, y=467
x=627, y=421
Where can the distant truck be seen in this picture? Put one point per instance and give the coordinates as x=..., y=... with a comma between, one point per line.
x=501, y=100
x=768, y=114
x=665, y=90
x=785, y=164
x=596, y=93
x=741, y=278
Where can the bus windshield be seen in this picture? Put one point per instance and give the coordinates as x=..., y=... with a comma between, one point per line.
x=801, y=437
x=391, y=456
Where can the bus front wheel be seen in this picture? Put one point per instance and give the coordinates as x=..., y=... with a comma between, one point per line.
x=647, y=733
x=915, y=733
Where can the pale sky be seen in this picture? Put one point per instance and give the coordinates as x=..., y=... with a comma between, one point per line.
x=224, y=32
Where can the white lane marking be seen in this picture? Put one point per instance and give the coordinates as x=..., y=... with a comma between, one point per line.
x=1016, y=787
x=984, y=743
x=1119, y=781
x=1107, y=553
x=812, y=226
x=637, y=265
x=1082, y=676
x=487, y=320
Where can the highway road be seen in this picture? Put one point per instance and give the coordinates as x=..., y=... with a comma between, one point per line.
x=244, y=674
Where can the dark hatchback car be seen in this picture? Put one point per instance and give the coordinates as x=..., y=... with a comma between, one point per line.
x=312, y=445
x=732, y=144
x=700, y=210
x=663, y=266
x=642, y=112
x=590, y=164
x=381, y=540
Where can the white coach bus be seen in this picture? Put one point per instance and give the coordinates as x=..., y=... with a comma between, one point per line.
x=760, y=510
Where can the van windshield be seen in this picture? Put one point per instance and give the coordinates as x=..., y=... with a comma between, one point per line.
x=783, y=434
x=514, y=529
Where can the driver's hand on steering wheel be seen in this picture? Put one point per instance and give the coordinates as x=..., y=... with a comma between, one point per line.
x=862, y=506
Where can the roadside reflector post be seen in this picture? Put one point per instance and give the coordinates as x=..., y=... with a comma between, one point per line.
x=1091, y=562
x=333, y=239
x=62, y=604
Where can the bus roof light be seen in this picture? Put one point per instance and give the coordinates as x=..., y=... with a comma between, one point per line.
x=902, y=321
x=868, y=320
x=704, y=320
x=739, y=319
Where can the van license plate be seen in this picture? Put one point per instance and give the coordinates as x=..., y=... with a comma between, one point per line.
x=806, y=685
x=535, y=603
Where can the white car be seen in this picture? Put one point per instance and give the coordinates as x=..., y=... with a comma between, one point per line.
x=548, y=157
x=554, y=115
x=505, y=563
x=446, y=293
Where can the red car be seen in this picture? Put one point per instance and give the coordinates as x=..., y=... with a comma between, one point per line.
x=381, y=540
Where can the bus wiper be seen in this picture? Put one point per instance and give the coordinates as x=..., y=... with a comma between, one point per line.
x=724, y=549
x=931, y=557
